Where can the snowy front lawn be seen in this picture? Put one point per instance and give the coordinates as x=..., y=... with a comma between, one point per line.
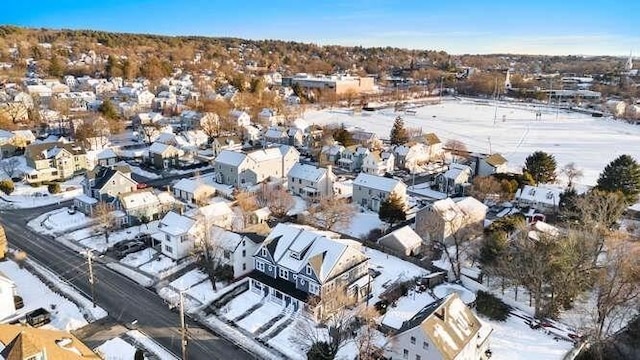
x=26, y=196
x=240, y=304
x=391, y=269
x=88, y=238
x=65, y=315
x=59, y=221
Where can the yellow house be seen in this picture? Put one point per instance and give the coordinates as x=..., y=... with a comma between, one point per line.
x=54, y=161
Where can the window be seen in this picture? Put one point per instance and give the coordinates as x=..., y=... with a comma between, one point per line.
x=167, y=237
x=270, y=268
x=413, y=340
x=284, y=274
x=405, y=354
x=260, y=265
x=244, y=253
x=314, y=288
x=418, y=357
x=264, y=252
x=308, y=270
x=425, y=345
x=168, y=248
x=244, y=267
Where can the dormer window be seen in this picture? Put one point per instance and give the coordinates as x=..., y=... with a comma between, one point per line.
x=309, y=270
x=264, y=252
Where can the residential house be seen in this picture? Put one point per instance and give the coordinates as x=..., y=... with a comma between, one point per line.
x=236, y=249
x=106, y=157
x=369, y=191
x=492, y=164
x=177, y=235
x=270, y=117
x=403, y=240
x=193, y=191
x=410, y=155
x=18, y=342
x=54, y=161
x=141, y=206
x=443, y=220
x=434, y=146
x=295, y=136
x=217, y=214
x=446, y=329
x=260, y=216
x=240, y=169
x=365, y=138
x=352, y=158
x=311, y=182
x=455, y=180
x=239, y=118
x=144, y=98
x=232, y=143
x=276, y=135
x=330, y=154
x=543, y=199
x=7, y=293
x=104, y=184
x=294, y=265
x=313, y=137
x=378, y=163
x=164, y=156
x=14, y=142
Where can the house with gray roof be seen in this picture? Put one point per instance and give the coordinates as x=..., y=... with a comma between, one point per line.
x=369, y=191
x=245, y=169
x=311, y=182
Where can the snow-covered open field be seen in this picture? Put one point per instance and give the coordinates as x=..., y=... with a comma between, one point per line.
x=571, y=137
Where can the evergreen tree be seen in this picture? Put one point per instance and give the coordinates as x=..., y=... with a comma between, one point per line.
x=344, y=137
x=623, y=175
x=112, y=68
x=56, y=68
x=108, y=110
x=399, y=134
x=392, y=210
x=541, y=166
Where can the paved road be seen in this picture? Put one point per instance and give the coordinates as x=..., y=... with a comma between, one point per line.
x=124, y=299
x=162, y=182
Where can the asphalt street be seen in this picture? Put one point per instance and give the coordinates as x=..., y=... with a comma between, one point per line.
x=124, y=300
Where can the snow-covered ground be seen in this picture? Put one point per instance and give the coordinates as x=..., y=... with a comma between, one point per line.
x=147, y=343
x=571, y=137
x=26, y=197
x=391, y=269
x=116, y=349
x=299, y=206
x=65, y=315
x=515, y=340
x=59, y=221
x=361, y=224
x=88, y=238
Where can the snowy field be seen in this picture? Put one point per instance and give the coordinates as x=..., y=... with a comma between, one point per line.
x=362, y=224
x=571, y=137
x=65, y=315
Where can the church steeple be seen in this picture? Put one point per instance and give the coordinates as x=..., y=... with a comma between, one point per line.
x=629, y=65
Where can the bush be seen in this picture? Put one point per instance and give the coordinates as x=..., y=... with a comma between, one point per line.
x=7, y=186
x=54, y=188
x=492, y=307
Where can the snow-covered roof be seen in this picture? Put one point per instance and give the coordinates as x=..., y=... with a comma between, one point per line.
x=86, y=199
x=307, y=172
x=158, y=148
x=229, y=157
x=188, y=185
x=293, y=248
x=215, y=210
x=539, y=194
x=175, y=224
x=227, y=240
x=405, y=236
x=376, y=182
x=106, y=154
x=265, y=154
x=138, y=198
x=470, y=205
x=406, y=308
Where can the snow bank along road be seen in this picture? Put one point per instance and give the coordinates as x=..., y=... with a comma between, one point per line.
x=125, y=300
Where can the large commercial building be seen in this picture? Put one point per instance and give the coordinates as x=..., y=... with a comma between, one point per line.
x=339, y=84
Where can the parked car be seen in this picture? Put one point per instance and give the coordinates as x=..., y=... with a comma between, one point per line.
x=129, y=248
x=38, y=317
x=144, y=237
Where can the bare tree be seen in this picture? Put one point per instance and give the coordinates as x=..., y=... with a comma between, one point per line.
x=486, y=187
x=210, y=254
x=210, y=125
x=276, y=198
x=149, y=131
x=10, y=166
x=368, y=339
x=457, y=148
x=572, y=173
x=247, y=203
x=331, y=214
x=105, y=219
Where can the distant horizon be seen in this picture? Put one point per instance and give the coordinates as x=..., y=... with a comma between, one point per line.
x=546, y=28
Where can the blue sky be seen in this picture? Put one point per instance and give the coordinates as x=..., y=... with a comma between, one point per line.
x=588, y=27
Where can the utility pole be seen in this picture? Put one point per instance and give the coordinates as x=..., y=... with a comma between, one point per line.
x=92, y=281
x=183, y=329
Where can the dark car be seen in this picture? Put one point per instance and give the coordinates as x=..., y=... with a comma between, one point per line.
x=38, y=317
x=144, y=237
x=129, y=248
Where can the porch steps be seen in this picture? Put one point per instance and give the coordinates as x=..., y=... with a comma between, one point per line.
x=249, y=311
x=290, y=316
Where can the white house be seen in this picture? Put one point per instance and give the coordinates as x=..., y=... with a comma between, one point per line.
x=240, y=118
x=144, y=98
x=270, y=117
x=310, y=182
x=617, y=107
x=140, y=205
x=370, y=191
x=454, y=180
x=543, y=199
x=7, y=291
x=236, y=249
x=218, y=214
x=240, y=169
x=378, y=163
x=446, y=218
x=177, y=235
x=192, y=191
x=445, y=329
x=492, y=164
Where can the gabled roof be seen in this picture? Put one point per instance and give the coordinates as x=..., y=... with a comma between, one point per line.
x=160, y=148
x=405, y=236
x=495, y=160
x=106, y=154
x=176, y=224
x=48, y=150
x=21, y=342
x=376, y=182
x=189, y=185
x=103, y=174
x=307, y=172
x=228, y=157
x=431, y=139
x=138, y=198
